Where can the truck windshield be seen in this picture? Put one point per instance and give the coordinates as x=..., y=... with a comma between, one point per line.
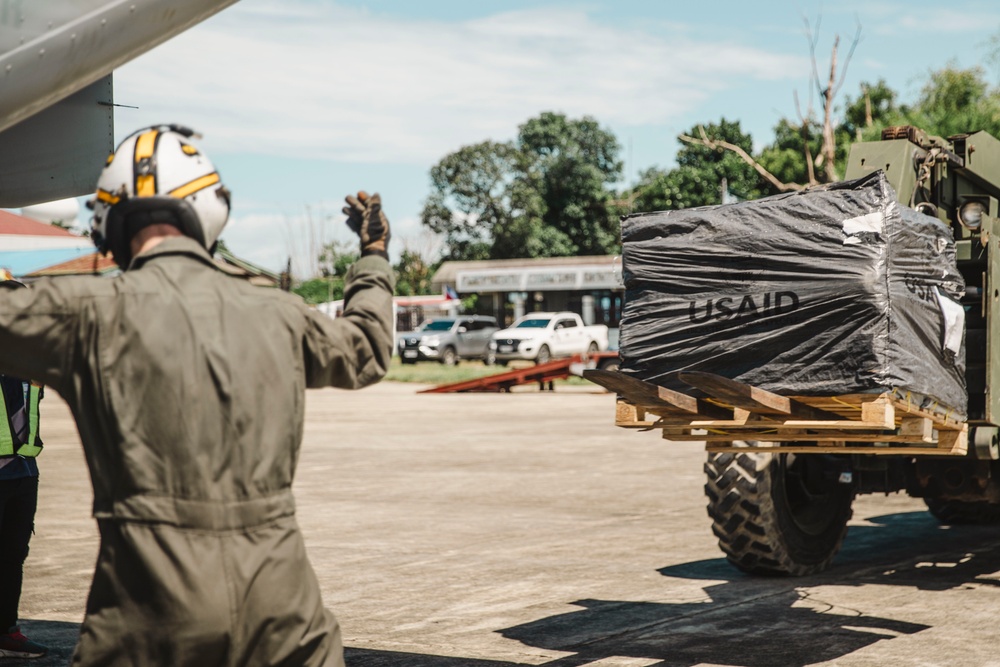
x=439, y=325
x=532, y=324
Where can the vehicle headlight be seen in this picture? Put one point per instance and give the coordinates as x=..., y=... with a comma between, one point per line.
x=431, y=341
x=493, y=345
x=971, y=214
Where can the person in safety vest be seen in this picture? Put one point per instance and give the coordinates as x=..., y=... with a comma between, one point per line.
x=20, y=443
x=188, y=389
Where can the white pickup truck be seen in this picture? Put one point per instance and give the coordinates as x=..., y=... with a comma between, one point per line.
x=544, y=336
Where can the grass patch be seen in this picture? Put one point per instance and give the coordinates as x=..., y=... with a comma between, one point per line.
x=431, y=372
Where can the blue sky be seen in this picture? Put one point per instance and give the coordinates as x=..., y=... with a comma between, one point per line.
x=303, y=101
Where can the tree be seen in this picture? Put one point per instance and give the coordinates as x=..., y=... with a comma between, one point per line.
x=472, y=197
x=572, y=165
x=874, y=108
x=320, y=290
x=830, y=155
x=954, y=101
x=334, y=260
x=703, y=170
x=413, y=274
x=789, y=158
x=548, y=193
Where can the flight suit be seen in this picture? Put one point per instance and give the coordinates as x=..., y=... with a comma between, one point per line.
x=188, y=389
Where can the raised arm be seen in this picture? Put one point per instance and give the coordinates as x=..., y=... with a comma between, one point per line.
x=354, y=349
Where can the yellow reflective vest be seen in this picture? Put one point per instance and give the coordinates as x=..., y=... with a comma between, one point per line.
x=9, y=445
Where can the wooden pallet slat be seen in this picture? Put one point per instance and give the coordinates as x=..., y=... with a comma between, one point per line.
x=921, y=429
x=819, y=436
x=629, y=415
x=886, y=424
x=879, y=411
x=655, y=397
x=751, y=398
x=955, y=442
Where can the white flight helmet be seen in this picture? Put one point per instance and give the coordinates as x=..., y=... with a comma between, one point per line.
x=157, y=175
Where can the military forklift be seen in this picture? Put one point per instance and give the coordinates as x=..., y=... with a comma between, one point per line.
x=781, y=507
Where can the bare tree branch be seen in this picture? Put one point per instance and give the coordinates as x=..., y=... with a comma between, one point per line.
x=847, y=60
x=812, y=39
x=869, y=121
x=804, y=131
x=720, y=145
x=829, y=149
x=827, y=157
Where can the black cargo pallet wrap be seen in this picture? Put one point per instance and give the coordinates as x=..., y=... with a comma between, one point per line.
x=830, y=291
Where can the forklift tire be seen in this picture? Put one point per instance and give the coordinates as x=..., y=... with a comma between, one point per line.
x=959, y=512
x=777, y=514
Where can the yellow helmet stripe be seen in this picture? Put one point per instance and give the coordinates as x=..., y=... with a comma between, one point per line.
x=145, y=145
x=107, y=197
x=145, y=186
x=195, y=185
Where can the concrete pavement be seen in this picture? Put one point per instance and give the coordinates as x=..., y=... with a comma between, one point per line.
x=491, y=530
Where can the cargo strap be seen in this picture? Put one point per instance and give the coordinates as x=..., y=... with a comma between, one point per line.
x=7, y=439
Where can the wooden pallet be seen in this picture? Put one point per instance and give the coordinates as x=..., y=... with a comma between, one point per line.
x=720, y=411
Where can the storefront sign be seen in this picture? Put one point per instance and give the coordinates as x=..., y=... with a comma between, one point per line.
x=550, y=279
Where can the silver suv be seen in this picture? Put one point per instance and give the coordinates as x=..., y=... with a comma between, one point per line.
x=448, y=339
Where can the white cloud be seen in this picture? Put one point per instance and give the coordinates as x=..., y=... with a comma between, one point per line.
x=300, y=79
x=894, y=18
x=270, y=239
x=948, y=20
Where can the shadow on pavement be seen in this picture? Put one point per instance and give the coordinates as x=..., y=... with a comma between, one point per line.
x=745, y=621
x=357, y=657
x=762, y=622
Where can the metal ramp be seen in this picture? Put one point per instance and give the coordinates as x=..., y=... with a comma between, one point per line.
x=544, y=374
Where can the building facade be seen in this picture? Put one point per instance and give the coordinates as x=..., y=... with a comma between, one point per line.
x=27, y=245
x=509, y=288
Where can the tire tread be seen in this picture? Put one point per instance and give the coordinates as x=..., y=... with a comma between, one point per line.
x=744, y=518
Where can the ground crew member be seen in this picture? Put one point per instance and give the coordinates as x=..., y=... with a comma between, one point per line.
x=20, y=443
x=188, y=387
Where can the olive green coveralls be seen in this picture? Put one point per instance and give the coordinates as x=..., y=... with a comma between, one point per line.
x=188, y=389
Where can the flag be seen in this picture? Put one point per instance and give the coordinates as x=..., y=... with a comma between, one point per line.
x=450, y=293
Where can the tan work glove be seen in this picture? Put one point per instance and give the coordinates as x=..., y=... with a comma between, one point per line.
x=366, y=219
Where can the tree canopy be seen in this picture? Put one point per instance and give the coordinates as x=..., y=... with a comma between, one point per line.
x=547, y=193
x=952, y=101
x=334, y=261
x=701, y=173
x=553, y=191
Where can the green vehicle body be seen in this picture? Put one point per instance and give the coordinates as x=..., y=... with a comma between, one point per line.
x=787, y=514
x=944, y=177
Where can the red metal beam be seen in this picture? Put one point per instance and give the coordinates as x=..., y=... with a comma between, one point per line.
x=542, y=373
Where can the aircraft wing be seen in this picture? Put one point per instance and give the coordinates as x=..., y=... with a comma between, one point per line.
x=56, y=59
